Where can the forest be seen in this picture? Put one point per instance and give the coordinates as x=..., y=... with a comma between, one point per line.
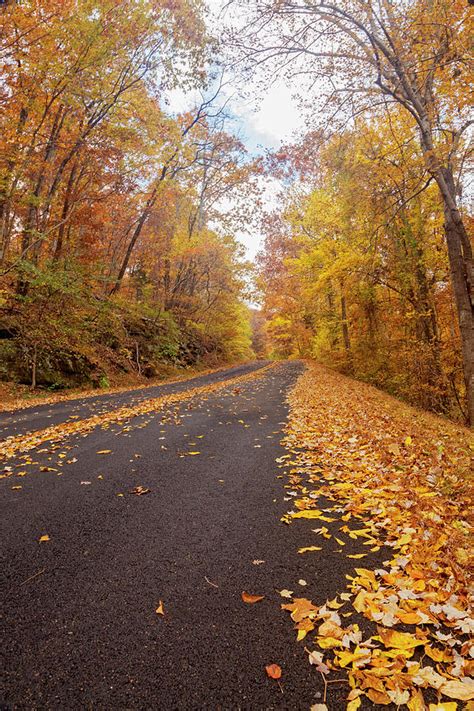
x=120, y=217
x=237, y=355
x=114, y=256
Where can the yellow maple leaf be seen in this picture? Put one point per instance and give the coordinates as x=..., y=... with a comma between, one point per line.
x=344, y=658
x=307, y=513
x=399, y=640
x=416, y=702
x=328, y=642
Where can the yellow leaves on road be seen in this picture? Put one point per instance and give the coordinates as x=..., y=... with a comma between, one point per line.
x=118, y=415
x=309, y=548
x=104, y=451
x=160, y=610
x=273, y=671
x=251, y=599
x=396, y=480
x=44, y=538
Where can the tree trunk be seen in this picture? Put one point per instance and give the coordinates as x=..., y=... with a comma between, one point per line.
x=461, y=266
x=64, y=215
x=33, y=367
x=345, y=330
x=136, y=234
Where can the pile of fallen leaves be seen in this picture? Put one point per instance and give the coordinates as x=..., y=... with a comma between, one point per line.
x=384, y=474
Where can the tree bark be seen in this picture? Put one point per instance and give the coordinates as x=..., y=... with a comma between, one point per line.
x=461, y=267
x=136, y=234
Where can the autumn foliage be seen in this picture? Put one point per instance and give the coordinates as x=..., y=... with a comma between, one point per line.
x=368, y=263
x=108, y=262
x=356, y=273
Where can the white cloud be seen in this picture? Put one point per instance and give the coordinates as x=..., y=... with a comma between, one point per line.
x=265, y=120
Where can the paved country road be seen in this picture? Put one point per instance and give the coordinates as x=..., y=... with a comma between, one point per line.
x=80, y=627
x=40, y=416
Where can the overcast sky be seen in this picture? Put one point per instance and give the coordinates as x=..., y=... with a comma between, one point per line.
x=263, y=123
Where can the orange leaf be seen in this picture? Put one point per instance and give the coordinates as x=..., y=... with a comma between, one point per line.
x=250, y=599
x=160, y=609
x=273, y=671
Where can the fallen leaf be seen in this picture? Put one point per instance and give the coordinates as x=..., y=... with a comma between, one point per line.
x=462, y=689
x=416, y=702
x=399, y=640
x=273, y=671
x=354, y=704
x=308, y=513
x=315, y=657
x=104, y=451
x=357, y=555
x=328, y=642
x=44, y=538
x=140, y=490
x=160, y=609
x=250, y=599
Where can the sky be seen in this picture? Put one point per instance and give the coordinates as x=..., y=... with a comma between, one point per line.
x=263, y=123
x=270, y=120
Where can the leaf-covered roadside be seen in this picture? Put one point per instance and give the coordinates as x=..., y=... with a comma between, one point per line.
x=382, y=473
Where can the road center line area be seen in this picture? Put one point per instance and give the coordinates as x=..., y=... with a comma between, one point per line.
x=128, y=539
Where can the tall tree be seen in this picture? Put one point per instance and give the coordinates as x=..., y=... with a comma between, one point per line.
x=366, y=53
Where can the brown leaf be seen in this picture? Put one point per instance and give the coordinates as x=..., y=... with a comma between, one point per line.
x=140, y=490
x=250, y=599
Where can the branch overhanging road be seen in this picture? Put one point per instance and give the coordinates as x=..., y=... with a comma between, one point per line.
x=80, y=609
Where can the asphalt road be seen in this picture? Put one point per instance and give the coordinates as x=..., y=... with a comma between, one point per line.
x=37, y=417
x=80, y=627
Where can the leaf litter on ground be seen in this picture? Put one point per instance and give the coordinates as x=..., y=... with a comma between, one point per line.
x=400, y=478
